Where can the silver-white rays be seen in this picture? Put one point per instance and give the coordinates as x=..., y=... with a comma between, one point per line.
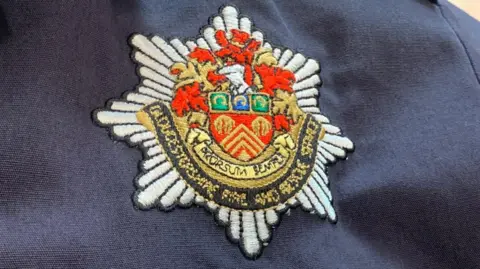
x=315, y=195
x=251, y=229
x=228, y=20
x=159, y=184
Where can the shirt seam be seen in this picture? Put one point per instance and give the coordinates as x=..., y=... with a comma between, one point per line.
x=477, y=76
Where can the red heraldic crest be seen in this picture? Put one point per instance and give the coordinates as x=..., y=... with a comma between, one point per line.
x=243, y=136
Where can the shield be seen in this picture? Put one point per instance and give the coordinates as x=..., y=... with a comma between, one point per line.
x=241, y=124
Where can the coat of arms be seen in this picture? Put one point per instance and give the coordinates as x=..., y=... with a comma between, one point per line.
x=230, y=122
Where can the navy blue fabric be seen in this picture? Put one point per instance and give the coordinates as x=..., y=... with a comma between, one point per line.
x=397, y=79
x=468, y=32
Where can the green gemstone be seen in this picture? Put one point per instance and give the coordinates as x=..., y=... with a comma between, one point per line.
x=260, y=103
x=219, y=101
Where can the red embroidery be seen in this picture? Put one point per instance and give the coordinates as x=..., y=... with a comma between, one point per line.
x=189, y=98
x=242, y=137
x=240, y=36
x=281, y=122
x=248, y=75
x=239, y=54
x=275, y=78
x=202, y=55
x=215, y=79
x=240, y=49
x=221, y=38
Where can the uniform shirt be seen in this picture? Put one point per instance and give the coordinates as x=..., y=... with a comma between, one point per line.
x=400, y=77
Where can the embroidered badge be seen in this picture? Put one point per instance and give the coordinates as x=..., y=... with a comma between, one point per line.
x=228, y=122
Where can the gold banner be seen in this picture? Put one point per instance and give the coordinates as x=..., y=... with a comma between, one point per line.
x=263, y=184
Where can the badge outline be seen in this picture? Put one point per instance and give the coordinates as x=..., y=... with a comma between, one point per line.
x=281, y=209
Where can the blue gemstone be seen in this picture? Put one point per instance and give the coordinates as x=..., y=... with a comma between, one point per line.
x=240, y=103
